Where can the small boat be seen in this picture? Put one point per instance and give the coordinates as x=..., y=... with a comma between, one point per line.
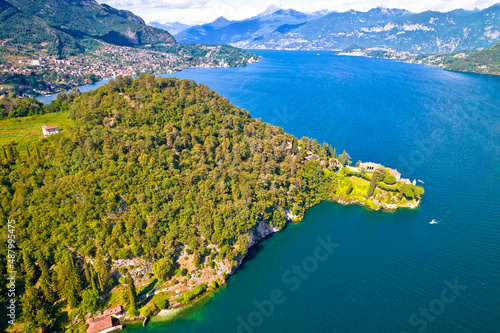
x=420, y=181
x=145, y=322
x=433, y=222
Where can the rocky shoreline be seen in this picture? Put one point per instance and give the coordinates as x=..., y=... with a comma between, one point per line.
x=261, y=231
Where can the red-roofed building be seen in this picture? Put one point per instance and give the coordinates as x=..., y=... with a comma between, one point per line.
x=106, y=322
x=115, y=310
x=405, y=181
x=396, y=173
x=103, y=324
x=48, y=130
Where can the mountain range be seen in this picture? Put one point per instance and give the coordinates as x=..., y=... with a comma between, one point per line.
x=173, y=28
x=395, y=29
x=67, y=27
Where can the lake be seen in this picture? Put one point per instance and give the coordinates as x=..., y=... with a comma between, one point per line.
x=347, y=269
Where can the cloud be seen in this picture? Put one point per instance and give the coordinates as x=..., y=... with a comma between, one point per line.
x=202, y=11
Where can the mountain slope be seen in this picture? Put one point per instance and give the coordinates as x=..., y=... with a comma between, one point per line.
x=482, y=62
x=427, y=32
x=22, y=31
x=197, y=33
x=395, y=29
x=249, y=29
x=65, y=26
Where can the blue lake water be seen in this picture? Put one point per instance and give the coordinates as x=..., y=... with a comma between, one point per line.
x=387, y=272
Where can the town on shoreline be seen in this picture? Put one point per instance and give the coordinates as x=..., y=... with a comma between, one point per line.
x=44, y=74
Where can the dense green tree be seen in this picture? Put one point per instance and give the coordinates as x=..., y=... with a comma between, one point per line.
x=102, y=272
x=67, y=279
x=408, y=192
x=196, y=258
x=162, y=269
x=31, y=303
x=29, y=268
x=379, y=173
x=90, y=300
x=29, y=327
x=390, y=179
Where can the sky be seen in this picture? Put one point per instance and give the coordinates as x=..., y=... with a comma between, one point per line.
x=203, y=11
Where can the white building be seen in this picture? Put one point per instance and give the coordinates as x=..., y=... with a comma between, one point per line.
x=48, y=130
x=369, y=166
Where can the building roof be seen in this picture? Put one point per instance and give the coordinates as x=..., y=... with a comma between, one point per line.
x=405, y=180
x=46, y=127
x=99, y=324
x=113, y=310
x=394, y=172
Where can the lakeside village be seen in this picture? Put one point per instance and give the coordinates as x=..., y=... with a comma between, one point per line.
x=44, y=75
x=143, y=289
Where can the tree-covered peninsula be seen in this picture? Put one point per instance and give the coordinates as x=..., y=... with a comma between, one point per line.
x=150, y=195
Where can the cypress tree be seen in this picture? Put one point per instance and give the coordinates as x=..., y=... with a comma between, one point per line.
x=28, y=152
x=342, y=161
x=295, y=144
x=101, y=287
x=401, y=190
x=11, y=154
x=46, y=289
x=92, y=278
x=4, y=152
x=43, y=265
x=349, y=190
x=29, y=268
x=88, y=277
x=38, y=155
x=131, y=291
x=373, y=184
x=334, y=153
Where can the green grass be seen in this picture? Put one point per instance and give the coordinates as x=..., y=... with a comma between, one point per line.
x=26, y=130
x=359, y=182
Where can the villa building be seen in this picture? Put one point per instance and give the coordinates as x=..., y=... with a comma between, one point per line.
x=369, y=166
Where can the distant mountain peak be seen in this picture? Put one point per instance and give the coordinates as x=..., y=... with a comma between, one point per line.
x=321, y=12
x=221, y=19
x=270, y=10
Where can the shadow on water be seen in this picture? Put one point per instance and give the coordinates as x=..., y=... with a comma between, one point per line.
x=257, y=248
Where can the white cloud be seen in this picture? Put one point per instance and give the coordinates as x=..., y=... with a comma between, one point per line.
x=202, y=11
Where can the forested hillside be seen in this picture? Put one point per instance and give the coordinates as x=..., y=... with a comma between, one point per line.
x=149, y=168
x=483, y=61
x=68, y=27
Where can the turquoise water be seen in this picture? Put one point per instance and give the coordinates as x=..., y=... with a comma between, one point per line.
x=386, y=271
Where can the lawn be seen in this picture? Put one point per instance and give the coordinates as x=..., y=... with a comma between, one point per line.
x=26, y=130
x=359, y=181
